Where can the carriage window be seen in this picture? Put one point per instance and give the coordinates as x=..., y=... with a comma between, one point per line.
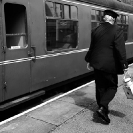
x=102, y=15
x=96, y=18
x=98, y=15
x=93, y=14
x=119, y=19
x=122, y=21
x=62, y=32
x=49, y=6
x=66, y=12
x=16, y=26
x=74, y=12
x=58, y=10
x=127, y=20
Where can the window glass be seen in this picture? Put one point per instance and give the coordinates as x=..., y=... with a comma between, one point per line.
x=93, y=15
x=125, y=36
x=16, y=26
x=94, y=24
x=123, y=23
x=74, y=12
x=61, y=34
x=49, y=7
x=125, y=28
x=98, y=15
x=97, y=18
x=58, y=10
x=119, y=19
x=50, y=34
x=66, y=12
x=123, y=19
x=127, y=20
x=62, y=28
x=102, y=15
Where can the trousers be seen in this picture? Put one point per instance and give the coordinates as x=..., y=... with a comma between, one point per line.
x=106, y=87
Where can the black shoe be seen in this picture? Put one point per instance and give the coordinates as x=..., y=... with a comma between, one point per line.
x=102, y=113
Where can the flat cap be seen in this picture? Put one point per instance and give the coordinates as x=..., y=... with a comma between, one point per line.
x=111, y=13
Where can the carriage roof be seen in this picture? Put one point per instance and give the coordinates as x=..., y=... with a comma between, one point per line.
x=113, y=4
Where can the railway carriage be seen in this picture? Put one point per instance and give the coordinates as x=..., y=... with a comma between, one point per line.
x=44, y=42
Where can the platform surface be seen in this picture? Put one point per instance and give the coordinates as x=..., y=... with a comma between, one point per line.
x=75, y=113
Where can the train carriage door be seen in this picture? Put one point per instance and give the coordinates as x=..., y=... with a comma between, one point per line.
x=16, y=47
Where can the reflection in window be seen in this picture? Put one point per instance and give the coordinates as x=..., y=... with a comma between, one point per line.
x=61, y=28
x=58, y=10
x=49, y=6
x=94, y=24
x=93, y=14
x=61, y=34
x=119, y=19
x=16, y=26
x=74, y=12
x=96, y=18
x=66, y=12
x=98, y=15
x=127, y=20
x=102, y=15
x=122, y=21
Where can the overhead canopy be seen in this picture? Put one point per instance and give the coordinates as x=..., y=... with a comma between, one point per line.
x=113, y=4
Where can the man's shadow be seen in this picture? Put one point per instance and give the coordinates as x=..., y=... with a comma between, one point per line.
x=82, y=100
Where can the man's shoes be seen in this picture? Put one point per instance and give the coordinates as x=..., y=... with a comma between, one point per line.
x=102, y=113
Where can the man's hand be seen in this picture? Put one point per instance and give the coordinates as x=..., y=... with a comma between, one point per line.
x=89, y=67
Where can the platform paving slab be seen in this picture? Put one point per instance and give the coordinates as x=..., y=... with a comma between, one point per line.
x=56, y=112
x=85, y=122
x=26, y=124
x=82, y=97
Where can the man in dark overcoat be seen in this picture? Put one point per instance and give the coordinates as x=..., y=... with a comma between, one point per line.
x=107, y=55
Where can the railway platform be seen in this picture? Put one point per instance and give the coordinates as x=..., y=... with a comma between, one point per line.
x=74, y=112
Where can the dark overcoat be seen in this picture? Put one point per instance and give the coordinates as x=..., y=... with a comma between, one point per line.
x=107, y=49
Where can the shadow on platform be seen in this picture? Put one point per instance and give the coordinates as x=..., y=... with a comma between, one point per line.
x=82, y=99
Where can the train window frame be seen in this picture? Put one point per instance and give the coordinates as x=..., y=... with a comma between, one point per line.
x=66, y=12
x=69, y=34
x=98, y=16
x=19, y=34
x=127, y=19
x=61, y=11
x=96, y=22
x=72, y=13
x=124, y=24
x=47, y=6
x=122, y=21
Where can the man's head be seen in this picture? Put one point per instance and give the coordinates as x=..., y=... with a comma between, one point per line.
x=110, y=16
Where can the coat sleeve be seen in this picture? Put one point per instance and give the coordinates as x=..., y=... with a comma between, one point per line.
x=120, y=48
x=88, y=55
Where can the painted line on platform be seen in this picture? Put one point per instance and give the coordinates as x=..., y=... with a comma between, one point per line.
x=40, y=105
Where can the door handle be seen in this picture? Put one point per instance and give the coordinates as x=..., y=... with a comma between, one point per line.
x=34, y=49
x=32, y=54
